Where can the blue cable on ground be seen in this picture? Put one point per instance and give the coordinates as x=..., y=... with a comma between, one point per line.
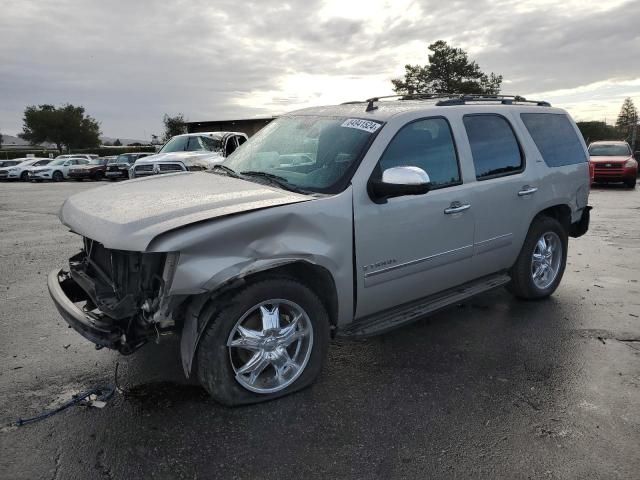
x=103, y=393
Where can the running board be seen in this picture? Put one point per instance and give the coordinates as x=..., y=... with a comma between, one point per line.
x=409, y=312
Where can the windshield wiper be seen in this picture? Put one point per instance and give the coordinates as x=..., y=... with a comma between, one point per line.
x=278, y=180
x=229, y=171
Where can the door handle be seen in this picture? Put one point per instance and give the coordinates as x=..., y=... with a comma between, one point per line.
x=456, y=207
x=527, y=190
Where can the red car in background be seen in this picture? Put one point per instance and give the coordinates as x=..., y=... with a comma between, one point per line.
x=613, y=162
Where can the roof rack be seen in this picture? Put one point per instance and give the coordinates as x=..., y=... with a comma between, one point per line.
x=503, y=99
x=447, y=99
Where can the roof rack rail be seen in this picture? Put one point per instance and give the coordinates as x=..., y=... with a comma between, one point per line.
x=503, y=99
x=448, y=99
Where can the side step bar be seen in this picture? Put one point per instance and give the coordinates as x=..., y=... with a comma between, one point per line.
x=409, y=312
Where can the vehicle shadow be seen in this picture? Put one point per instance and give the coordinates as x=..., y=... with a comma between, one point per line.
x=493, y=336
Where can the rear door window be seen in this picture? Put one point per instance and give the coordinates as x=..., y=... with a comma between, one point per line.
x=555, y=137
x=427, y=144
x=494, y=146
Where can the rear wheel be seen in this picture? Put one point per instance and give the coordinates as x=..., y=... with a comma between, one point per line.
x=270, y=339
x=542, y=260
x=57, y=176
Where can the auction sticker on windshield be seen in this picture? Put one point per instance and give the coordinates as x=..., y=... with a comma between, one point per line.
x=366, y=125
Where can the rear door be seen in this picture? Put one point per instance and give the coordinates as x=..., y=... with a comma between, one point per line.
x=504, y=193
x=414, y=246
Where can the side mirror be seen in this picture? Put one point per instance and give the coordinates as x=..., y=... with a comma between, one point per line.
x=66, y=164
x=400, y=181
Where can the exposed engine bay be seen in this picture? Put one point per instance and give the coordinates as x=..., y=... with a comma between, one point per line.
x=121, y=293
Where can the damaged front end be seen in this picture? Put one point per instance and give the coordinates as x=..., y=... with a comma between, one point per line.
x=115, y=298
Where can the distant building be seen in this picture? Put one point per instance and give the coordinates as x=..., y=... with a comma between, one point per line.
x=10, y=142
x=247, y=125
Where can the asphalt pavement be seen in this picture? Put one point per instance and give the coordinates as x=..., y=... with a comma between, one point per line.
x=492, y=388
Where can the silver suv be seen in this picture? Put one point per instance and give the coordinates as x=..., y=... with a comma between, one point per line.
x=343, y=220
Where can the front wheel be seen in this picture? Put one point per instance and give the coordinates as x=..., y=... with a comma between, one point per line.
x=266, y=340
x=24, y=176
x=631, y=183
x=57, y=176
x=542, y=260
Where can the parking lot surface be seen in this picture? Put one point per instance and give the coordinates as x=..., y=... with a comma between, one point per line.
x=492, y=388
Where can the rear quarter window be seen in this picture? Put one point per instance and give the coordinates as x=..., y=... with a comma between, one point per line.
x=555, y=137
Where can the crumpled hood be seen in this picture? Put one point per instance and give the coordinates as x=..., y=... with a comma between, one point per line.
x=129, y=215
x=190, y=159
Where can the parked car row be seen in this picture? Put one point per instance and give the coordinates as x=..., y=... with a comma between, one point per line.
x=188, y=152
x=63, y=167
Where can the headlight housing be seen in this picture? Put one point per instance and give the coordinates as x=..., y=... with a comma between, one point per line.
x=630, y=163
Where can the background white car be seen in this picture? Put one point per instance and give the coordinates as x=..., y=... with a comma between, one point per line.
x=20, y=170
x=191, y=151
x=57, y=170
x=88, y=156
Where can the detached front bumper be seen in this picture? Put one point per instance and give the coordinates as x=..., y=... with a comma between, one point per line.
x=65, y=292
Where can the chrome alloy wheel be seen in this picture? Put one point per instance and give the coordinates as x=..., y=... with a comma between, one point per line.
x=546, y=260
x=270, y=345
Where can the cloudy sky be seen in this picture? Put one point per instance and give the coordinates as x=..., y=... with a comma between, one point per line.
x=129, y=62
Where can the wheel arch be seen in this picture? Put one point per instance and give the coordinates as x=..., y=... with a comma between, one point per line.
x=315, y=277
x=560, y=212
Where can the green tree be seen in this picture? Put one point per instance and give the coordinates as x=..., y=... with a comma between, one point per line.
x=448, y=71
x=67, y=126
x=596, y=131
x=627, y=118
x=117, y=143
x=174, y=125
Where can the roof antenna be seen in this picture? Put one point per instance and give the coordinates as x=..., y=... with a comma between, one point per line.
x=370, y=106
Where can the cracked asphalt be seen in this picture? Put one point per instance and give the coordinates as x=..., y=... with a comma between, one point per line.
x=492, y=388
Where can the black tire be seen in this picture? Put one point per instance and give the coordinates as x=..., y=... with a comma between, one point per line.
x=630, y=183
x=522, y=284
x=57, y=176
x=112, y=179
x=24, y=177
x=214, y=368
x=98, y=176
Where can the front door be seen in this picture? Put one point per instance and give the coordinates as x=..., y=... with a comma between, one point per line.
x=414, y=246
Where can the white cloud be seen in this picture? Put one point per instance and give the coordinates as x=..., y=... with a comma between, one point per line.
x=130, y=62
